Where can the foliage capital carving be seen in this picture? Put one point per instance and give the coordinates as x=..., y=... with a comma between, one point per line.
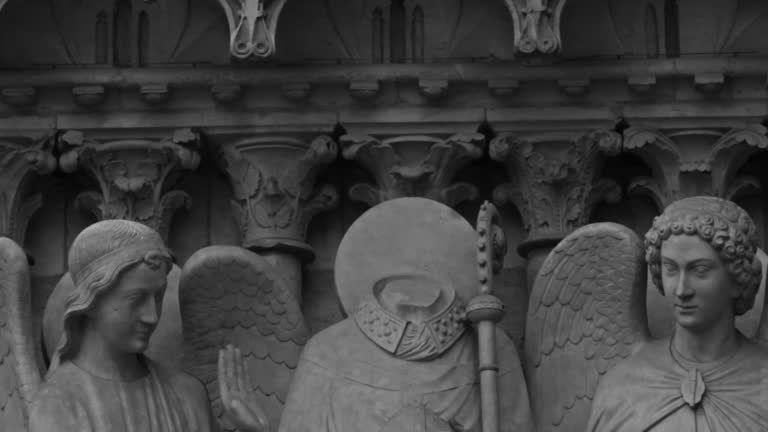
x=275, y=193
x=556, y=178
x=413, y=165
x=133, y=174
x=21, y=157
x=252, y=26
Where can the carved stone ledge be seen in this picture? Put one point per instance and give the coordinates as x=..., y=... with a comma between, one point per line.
x=134, y=174
x=364, y=90
x=21, y=157
x=19, y=97
x=576, y=87
x=296, y=91
x=225, y=93
x=88, y=96
x=275, y=196
x=536, y=25
x=155, y=94
x=503, y=88
x=433, y=89
x=710, y=83
x=413, y=165
x=556, y=180
x=252, y=26
x=642, y=84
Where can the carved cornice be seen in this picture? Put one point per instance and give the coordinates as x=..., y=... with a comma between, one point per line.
x=252, y=26
x=556, y=183
x=413, y=165
x=273, y=179
x=536, y=25
x=21, y=157
x=134, y=174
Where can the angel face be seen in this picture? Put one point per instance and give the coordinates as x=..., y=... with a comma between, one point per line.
x=126, y=316
x=697, y=281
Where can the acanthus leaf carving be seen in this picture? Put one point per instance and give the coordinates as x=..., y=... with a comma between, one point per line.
x=537, y=25
x=20, y=158
x=556, y=183
x=275, y=192
x=252, y=26
x=413, y=165
x=661, y=154
x=730, y=152
x=133, y=174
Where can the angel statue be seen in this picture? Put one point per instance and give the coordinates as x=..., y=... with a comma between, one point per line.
x=99, y=379
x=404, y=359
x=591, y=363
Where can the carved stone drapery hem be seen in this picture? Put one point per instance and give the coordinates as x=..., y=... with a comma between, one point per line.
x=133, y=174
x=413, y=165
x=275, y=197
x=20, y=158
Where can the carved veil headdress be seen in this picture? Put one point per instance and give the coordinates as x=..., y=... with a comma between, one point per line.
x=97, y=258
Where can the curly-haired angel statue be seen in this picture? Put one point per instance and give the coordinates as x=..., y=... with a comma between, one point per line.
x=99, y=379
x=707, y=377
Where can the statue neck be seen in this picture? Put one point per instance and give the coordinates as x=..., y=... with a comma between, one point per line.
x=708, y=345
x=96, y=357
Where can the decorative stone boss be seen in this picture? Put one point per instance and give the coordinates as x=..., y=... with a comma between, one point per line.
x=587, y=336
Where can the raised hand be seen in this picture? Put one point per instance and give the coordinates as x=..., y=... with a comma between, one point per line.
x=237, y=396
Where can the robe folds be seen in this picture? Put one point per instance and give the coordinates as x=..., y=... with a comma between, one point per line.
x=346, y=383
x=165, y=400
x=648, y=392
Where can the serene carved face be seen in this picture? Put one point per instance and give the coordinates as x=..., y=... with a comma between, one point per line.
x=127, y=315
x=697, y=282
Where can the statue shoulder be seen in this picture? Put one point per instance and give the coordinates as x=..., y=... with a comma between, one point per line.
x=182, y=382
x=57, y=408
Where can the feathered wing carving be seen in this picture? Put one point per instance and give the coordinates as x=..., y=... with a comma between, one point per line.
x=20, y=373
x=761, y=336
x=586, y=313
x=231, y=295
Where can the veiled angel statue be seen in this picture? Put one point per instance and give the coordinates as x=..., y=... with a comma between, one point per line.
x=590, y=360
x=99, y=379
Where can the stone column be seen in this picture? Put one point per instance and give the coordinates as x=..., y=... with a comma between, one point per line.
x=555, y=184
x=275, y=196
x=413, y=165
x=22, y=156
x=134, y=174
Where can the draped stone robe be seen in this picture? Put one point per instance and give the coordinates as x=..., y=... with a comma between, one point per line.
x=164, y=400
x=346, y=383
x=657, y=390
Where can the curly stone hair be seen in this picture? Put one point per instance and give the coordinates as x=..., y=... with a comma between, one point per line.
x=721, y=223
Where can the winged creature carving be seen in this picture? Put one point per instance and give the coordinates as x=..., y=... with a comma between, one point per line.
x=588, y=348
x=228, y=294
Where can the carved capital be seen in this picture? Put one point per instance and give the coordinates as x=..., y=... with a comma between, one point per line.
x=729, y=153
x=661, y=154
x=21, y=158
x=252, y=26
x=275, y=196
x=536, y=25
x=556, y=178
x=413, y=165
x=134, y=174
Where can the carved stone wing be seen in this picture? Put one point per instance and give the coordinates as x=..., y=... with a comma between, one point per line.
x=761, y=336
x=228, y=294
x=586, y=313
x=20, y=372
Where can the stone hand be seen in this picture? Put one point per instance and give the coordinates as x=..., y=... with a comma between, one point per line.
x=237, y=395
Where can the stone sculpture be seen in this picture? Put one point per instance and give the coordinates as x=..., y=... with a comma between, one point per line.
x=404, y=359
x=99, y=378
x=587, y=340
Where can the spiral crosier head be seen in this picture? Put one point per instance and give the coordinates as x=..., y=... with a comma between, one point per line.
x=723, y=225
